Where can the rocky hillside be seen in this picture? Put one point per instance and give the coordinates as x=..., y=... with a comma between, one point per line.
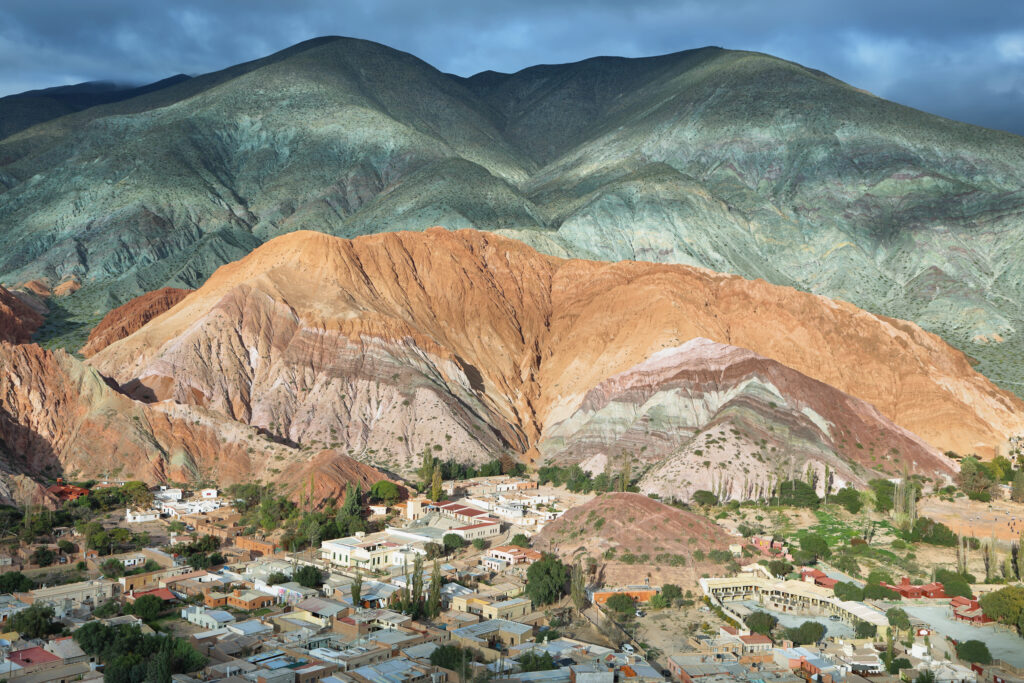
x=731, y=160
x=469, y=344
x=17, y=319
x=711, y=416
x=123, y=320
x=58, y=417
x=634, y=538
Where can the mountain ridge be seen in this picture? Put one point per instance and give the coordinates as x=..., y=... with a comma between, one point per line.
x=735, y=161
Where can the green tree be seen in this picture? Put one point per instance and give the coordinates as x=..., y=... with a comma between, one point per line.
x=974, y=651
x=898, y=619
x=926, y=676
x=436, y=485
x=578, y=587
x=845, y=590
x=309, y=576
x=761, y=622
x=520, y=540
x=864, y=629
x=66, y=547
x=883, y=491
x=357, y=590
x=658, y=601
x=816, y=545
x=797, y=493
x=672, y=592
x=385, y=491
x=110, y=608
x=779, y=567
x=276, y=578
x=530, y=661
x=14, y=582
x=545, y=580
x=621, y=603
x=147, y=607
x=44, y=557
x=1005, y=605
x=434, y=594
x=35, y=621
x=479, y=543
x=876, y=592
x=451, y=657
x=974, y=478
x=452, y=542
x=417, y=585
x=1017, y=488
x=807, y=633
x=112, y=568
x=849, y=498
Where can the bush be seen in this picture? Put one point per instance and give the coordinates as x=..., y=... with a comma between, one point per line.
x=705, y=498
x=779, y=567
x=520, y=540
x=899, y=664
x=929, y=531
x=276, y=578
x=384, y=491
x=671, y=592
x=883, y=491
x=110, y=608
x=974, y=651
x=479, y=543
x=849, y=498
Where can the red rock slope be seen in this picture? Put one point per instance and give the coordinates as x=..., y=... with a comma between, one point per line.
x=59, y=417
x=469, y=337
x=123, y=320
x=17, y=320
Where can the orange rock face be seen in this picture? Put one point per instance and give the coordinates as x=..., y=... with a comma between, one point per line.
x=125, y=319
x=312, y=336
x=59, y=417
x=17, y=320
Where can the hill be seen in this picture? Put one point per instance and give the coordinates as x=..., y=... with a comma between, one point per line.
x=471, y=344
x=735, y=161
x=634, y=537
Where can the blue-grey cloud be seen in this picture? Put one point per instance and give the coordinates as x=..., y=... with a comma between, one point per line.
x=962, y=60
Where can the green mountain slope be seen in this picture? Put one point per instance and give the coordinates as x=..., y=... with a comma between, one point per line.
x=735, y=161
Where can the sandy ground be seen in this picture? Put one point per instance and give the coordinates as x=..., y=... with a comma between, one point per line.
x=1003, y=518
x=668, y=629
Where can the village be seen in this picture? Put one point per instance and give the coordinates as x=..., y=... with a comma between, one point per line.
x=447, y=587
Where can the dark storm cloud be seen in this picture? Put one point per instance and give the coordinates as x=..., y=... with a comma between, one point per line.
x=958, y=59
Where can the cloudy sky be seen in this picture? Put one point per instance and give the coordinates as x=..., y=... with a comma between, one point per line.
x=956, y=58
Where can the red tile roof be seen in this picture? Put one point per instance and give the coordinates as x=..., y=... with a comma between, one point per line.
x=756, y=639
x=31, y=656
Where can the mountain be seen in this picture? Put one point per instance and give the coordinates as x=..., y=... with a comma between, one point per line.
x=735, y=161
x=60, y=418
x=24, y=110
x=706, y=415
x=469, y=344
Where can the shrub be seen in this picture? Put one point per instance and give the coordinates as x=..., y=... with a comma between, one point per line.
x=705, y=498
x=849, y=498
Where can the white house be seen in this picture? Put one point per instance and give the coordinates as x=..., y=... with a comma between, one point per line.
x=206, y=618
x=136, y=516
x=207, y=494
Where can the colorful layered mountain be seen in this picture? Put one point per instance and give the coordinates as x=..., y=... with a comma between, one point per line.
x=61, y=418
x=471, y=344
x=723, y=159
